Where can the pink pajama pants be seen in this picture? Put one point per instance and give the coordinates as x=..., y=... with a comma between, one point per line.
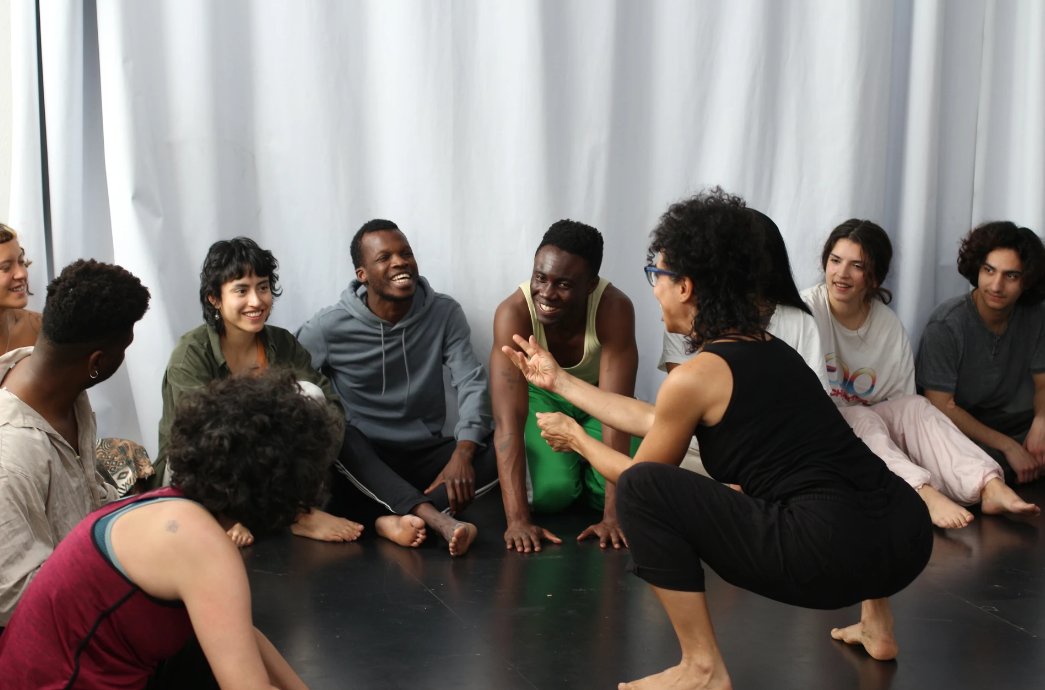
x=922, y=446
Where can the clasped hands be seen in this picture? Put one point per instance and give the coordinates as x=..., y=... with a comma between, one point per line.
x=541, y=370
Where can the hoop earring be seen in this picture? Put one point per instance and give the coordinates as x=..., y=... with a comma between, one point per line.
x=94, y=374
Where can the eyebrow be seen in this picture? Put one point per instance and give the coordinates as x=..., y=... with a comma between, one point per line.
x=242, y=283
x=991, y=266
x=855, y=261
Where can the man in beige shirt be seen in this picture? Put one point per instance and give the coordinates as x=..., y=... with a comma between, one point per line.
x=48, y=480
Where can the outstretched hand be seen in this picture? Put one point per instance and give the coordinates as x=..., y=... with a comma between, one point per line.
x=536, y=363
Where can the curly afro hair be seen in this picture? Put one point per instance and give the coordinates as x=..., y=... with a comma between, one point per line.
x=577, y=239
x=709, y=239
x=985, y=238
x=230, y=260
x=91, y=303
x=876, y=248
x=253, y=449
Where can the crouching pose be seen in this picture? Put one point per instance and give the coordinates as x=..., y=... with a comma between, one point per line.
x=820, y=521
x=135, y=580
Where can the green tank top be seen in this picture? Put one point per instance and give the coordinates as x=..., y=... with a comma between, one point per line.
x=588, y=368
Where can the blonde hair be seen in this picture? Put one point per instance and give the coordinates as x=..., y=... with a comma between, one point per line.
x=7, y=233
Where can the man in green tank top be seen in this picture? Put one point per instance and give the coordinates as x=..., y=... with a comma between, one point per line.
x=589, y=326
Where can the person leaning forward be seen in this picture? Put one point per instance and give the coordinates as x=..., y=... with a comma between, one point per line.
x=589, y=324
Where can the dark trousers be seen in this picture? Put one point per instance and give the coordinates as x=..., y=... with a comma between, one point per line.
x=821, y=550
x=374, y=479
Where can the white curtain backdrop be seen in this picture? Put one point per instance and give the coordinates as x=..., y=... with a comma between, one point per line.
x=475, y=124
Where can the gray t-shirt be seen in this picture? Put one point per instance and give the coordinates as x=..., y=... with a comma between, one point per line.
x=989, y=375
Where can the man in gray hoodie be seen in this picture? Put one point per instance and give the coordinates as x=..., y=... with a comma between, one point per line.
x=383, y=346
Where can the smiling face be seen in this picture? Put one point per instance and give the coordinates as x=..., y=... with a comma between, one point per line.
x=1000, y=281
x=14, y=278
x=389, y=269
x=846, y=275
x=560, y=285
x=245, y=303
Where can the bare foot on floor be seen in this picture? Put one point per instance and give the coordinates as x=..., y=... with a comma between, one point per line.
x=880, y=645
x=322, y=526
x=461, y=538
x=240, y=535
x=405, y=530
x=682, y=677
x=998, y=498
x=944, y=512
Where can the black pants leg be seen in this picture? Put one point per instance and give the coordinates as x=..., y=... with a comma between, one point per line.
x=395, y=476
x=823, y=550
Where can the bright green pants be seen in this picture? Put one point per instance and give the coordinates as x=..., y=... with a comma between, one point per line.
x=559, y=479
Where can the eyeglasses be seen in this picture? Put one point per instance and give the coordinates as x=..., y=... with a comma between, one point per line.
x=652, y=272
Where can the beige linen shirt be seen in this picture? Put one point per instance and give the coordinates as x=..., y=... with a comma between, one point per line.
x=46, y=487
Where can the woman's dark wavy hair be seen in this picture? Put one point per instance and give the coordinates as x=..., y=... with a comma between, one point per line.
x=709, y=239
x=775, y=280
x=985, y=238
x=253, y=449
x=229, y=260
x=876, y=248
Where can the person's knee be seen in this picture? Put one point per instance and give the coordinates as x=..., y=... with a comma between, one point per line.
x=865, y=422
x=554, y=494
x=633, y=482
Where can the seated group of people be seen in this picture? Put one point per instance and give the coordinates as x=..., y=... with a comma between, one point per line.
x=345, y=431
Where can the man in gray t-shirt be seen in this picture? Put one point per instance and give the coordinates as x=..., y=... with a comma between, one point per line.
x=982, y=356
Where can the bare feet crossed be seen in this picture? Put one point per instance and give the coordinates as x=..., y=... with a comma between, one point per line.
x=461, y=537
x=405, y=530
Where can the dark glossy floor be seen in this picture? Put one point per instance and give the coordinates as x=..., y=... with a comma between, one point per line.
x=374, y=615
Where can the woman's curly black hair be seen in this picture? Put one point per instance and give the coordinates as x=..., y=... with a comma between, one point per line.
x=709, y=238
x=877, y=252
x=229, y=260
x=985, y=238
x=253, y=449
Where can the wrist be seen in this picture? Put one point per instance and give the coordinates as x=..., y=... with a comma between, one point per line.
x=560, y=384
x=465, y=450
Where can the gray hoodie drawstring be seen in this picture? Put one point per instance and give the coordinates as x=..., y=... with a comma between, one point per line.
x=382, y=325
x=406, y=365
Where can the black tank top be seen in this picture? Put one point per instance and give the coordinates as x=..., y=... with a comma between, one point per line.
x=781, y=435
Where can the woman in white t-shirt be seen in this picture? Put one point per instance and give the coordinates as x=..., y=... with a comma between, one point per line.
x=870, y=369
